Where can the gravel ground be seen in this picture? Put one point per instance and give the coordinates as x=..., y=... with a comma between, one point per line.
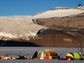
x=12, y=51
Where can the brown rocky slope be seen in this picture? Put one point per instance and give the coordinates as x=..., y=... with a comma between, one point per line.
x=67, y=31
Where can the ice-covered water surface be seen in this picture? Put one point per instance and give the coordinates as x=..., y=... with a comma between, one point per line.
x=12, y=51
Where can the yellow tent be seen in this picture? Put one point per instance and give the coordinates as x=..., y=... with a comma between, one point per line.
x=48, y=52
x=74, y=55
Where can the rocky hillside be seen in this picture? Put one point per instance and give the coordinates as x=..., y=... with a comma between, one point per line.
x=65, y=28
x=76, y=21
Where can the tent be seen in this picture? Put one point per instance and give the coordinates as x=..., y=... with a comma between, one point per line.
x=47, y=52
x=73, y=55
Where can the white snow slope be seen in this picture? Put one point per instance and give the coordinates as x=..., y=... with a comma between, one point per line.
x=18, y=26
x=58, y=13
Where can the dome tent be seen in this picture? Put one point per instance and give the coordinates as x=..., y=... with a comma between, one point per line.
x=74, y=55
x=47, y=52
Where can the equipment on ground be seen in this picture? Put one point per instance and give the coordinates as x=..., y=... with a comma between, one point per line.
x=20, y=57
x=35, y=55
x=7, y=57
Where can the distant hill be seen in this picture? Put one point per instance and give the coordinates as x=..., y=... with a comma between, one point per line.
x=56, y=27
x=65, y=19
x=59, y=12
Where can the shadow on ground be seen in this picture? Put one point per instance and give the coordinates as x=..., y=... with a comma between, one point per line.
x=18, y=43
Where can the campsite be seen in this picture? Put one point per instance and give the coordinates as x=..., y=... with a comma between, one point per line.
x=29, y=51
x=41, y=31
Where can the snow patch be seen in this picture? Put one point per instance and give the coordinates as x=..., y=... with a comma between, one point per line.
x=16, y=36
x=58, y=13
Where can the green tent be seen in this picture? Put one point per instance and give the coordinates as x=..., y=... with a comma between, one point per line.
x=74, y=55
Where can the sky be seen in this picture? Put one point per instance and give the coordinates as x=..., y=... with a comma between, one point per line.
x=30, y=7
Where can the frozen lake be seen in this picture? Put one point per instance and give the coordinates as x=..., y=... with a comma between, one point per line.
x=12, y=51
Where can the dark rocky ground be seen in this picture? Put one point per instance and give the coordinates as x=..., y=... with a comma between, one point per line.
x=49, y=38
x=57, y=38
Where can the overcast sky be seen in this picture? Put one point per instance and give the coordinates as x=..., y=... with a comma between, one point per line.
x=30, y=7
